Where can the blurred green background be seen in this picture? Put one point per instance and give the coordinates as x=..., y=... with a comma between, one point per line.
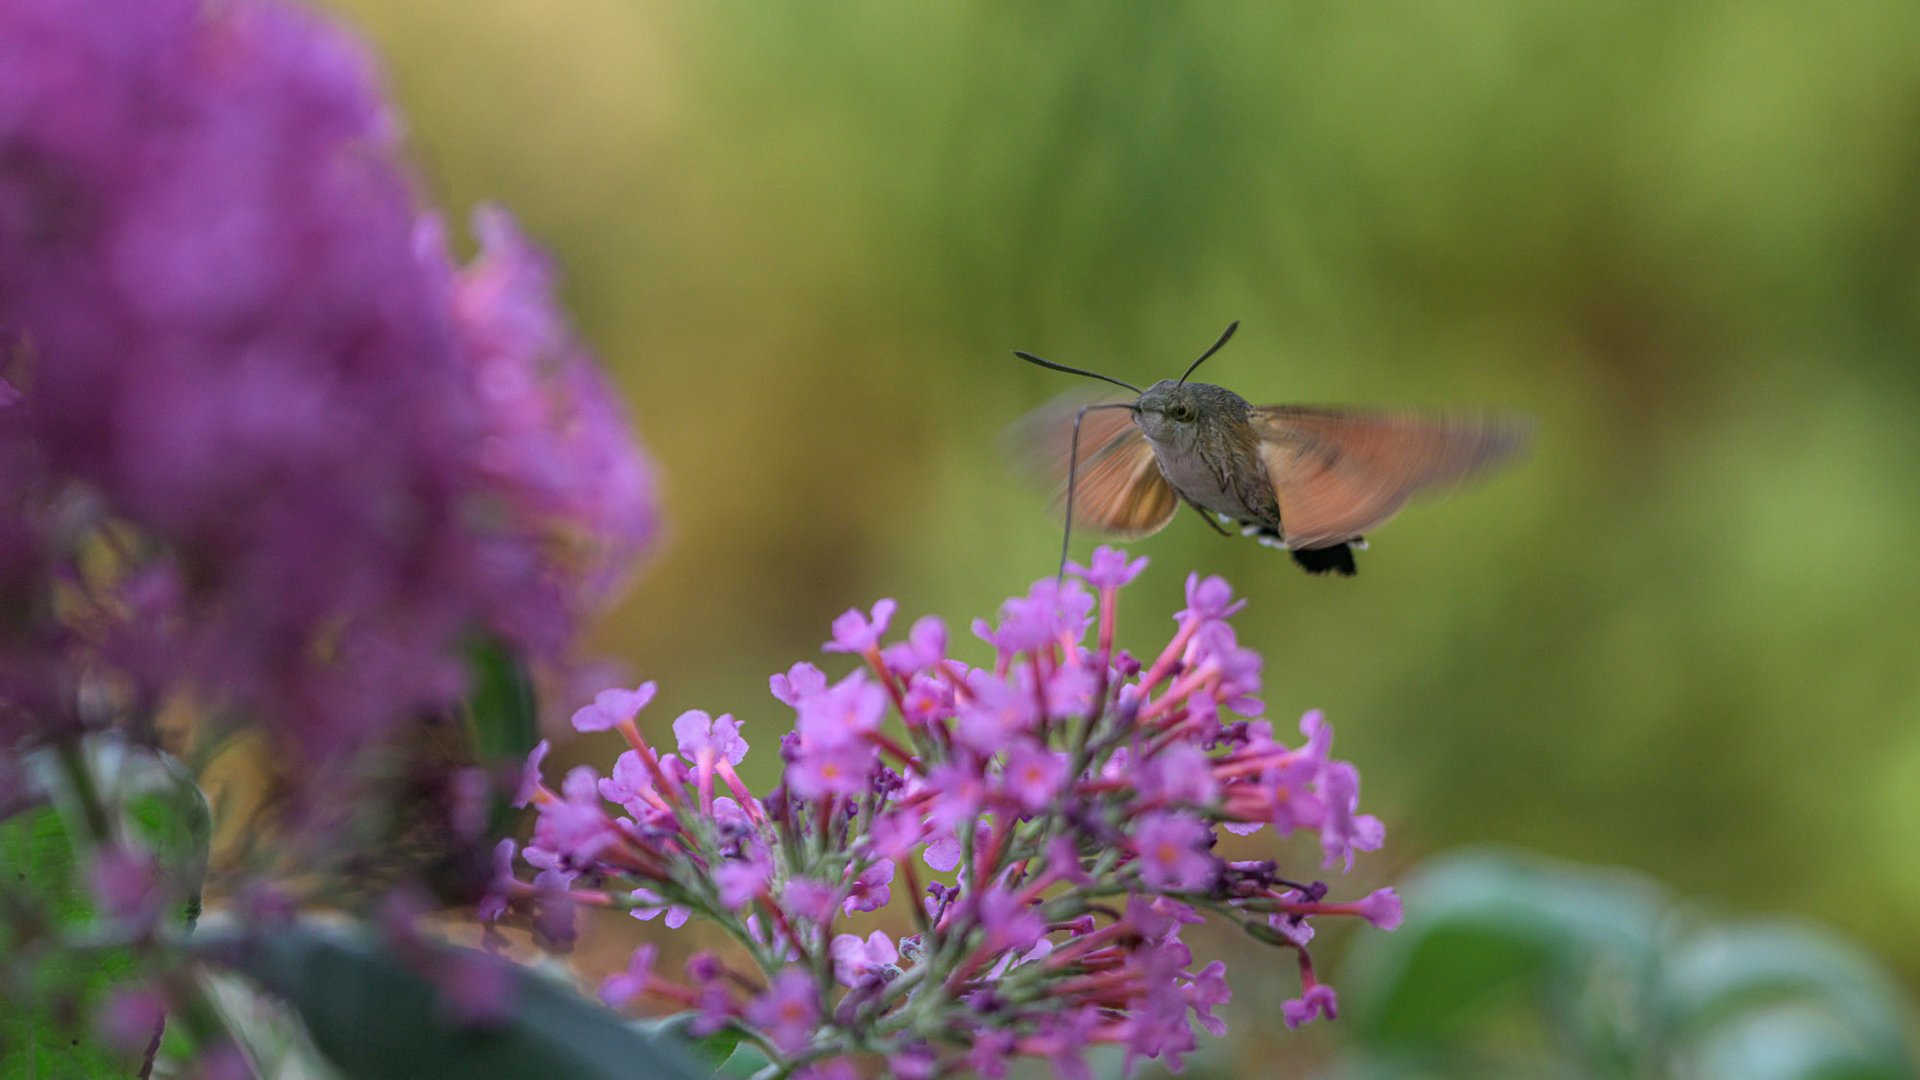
x=1684, y=637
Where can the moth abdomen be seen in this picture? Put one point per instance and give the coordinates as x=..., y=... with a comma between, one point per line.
x=1337, y=559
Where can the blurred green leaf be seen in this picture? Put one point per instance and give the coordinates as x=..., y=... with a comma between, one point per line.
x=1483, y=927
x=1791, y=1043
x=145, y=797
x=1611, y=980
x=1727, y=973
x=374, y=1017
x=746, y=1061
x=502, y=711
x=713, y=1050
x=48, y=994
x=275, y=1040
x=161, y=806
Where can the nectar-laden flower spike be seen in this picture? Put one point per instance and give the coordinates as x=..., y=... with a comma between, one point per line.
x=1075, y=795
x=237, y=353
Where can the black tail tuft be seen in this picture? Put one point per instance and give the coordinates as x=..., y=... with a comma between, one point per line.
x=1337, y=559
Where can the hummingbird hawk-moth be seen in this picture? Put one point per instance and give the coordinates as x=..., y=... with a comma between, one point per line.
x=1310, y=480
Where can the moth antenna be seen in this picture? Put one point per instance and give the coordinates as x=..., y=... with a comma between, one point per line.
x=1073, y=468
x=1214, y=348
x=1032, y=359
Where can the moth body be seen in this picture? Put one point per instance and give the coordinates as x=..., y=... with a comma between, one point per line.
x=1308, y=480
x=1207, y=451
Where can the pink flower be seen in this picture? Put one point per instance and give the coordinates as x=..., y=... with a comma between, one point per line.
x=993, y=714
x=738, y=881
x=1207, y=991
x=986, y=770
x=630, y=783
x=530, y=774
x=811, y=900
x=927, y=701
x=871, y=890
x=1172, y=850
x=854, y=632
x=249, y=346
x=1182, y=773
x=1009, y=924
x=611, y=708
x=650, y=907
x=127, y=885
x=575, y=825
x=1109, y=568
x=620, y=988
x=131, y=1019
x=1344, y=831
x=1209, y=599
x=855, y=960
x=788, y=1010
x=1380, y=907
x=1032, y=776
x=839, y=769
x=1316, y=1001
x=802, y=681
x=925, y=647
x=1051, y=610
x=697, y=731
x=845, y=712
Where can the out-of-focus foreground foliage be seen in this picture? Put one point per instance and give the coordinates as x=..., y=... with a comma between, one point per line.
x=1520, y=967
x=1684, y=236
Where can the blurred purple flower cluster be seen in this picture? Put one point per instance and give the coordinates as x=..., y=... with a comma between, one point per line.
x=261, y=440
x=1067, y=802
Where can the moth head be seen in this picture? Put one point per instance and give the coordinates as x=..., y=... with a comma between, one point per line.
x=1170, y=412
x=1166, y=407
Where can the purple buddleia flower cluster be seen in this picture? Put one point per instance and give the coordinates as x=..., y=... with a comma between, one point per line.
x=261, y=441
x=1051, y=820
x=269, y=458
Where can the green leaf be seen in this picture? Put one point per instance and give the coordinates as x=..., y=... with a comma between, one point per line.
x=49, y=992
x=747, y=1061
x=373, y=1017
x=1721, y=975
x=1511, y=965
x=275, y=1040
x=502, y=710
x=1486, y=931
x=1792, y=1043
x=712, y=1050
x=52, y=993
x=161, y=807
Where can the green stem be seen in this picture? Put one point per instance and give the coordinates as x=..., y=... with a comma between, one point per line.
x=201, y=1019
x=92, y=810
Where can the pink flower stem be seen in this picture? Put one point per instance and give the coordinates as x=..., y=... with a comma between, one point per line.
x=1066, y=954
x=879, y=667
x=1307, y=907
x=899, y=753
x=1169, y=656
x=703, y=772
x=748, y=801
x=661, y=784
x=951, y=673
x=1253, y=764
x=1107, y=594
x=1114, y=987
x=666, y=991
x=779, y=918
x=1180, y=690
